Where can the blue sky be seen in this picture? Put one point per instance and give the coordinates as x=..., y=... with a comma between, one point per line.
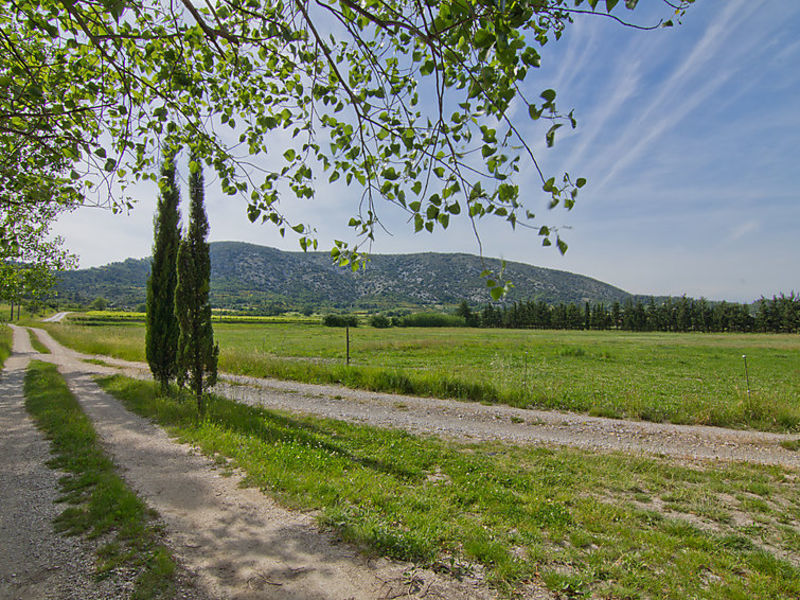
x=689, y=137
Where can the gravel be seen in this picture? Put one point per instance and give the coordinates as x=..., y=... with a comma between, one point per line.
x=237, y=543
x=35, y=562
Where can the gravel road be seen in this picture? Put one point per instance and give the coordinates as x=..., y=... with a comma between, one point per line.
x=236, y=543
x=232, y=542
x=34, y=561
x=472, y=421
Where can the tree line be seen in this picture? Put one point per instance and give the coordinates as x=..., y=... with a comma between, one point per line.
x=780, y=314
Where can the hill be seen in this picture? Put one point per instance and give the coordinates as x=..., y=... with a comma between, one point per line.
x=249, y=277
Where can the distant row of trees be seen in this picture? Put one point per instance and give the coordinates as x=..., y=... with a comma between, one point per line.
x=780, y=314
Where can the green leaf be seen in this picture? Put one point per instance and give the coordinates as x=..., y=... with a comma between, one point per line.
x=580, y=182
x=454, y=209
x=610, y=4
x=550, y=136
x=483, y=38
x=289, y=155
x=548, y=95
x=427, y=67
x=390, y=174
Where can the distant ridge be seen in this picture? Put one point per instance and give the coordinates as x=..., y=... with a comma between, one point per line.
x=246, y=276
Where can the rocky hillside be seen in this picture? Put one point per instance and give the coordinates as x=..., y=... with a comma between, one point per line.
x=247, y=276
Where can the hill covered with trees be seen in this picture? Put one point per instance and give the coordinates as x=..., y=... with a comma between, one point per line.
x=260, y=279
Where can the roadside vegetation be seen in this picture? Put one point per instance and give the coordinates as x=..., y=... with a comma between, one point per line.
x=679, y=378
x=606, y=525
x=99, y=503
x=6, y=341
x=37, y=344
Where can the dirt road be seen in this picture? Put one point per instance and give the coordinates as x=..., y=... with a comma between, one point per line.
x=237, y=543
x=478, y=422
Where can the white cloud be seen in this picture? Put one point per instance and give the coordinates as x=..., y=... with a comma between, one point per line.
x=744, y=229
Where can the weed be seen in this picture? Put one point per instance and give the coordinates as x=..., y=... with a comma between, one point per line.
x=793, y=445
x=6, y=337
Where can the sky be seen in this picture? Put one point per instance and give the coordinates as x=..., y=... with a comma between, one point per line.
x=689, y=138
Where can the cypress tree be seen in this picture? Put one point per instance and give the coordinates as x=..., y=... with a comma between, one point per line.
x=161, y=338
x=197, y=353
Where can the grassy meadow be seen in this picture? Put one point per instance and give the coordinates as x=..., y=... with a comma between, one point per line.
x=609, y=526
x=680, y=378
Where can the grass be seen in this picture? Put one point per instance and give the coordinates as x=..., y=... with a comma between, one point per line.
x=6, y=342
x=100, y=505
x=793, y=445
x=602, y=526
x=680, y=378
x=37, y=344
x=107, y=317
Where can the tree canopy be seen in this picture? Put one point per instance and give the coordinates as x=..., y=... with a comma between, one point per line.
x=419, y=103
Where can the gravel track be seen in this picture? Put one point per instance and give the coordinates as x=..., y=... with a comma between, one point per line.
x=234, y=542
x=35, y=562
x=472, y=421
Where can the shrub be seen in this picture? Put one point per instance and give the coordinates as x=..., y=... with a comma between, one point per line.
x=99, y=303
x=429, y=320
x=380, y=321
x=340, y=320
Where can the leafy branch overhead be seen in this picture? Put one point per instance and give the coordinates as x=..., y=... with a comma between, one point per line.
x=413, y=101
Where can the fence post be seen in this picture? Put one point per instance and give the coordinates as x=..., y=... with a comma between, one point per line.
x=347, y=334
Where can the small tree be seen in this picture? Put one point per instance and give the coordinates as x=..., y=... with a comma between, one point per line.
x=161, y=338
x=471, y=319
x=197, y=353
x=99, y=303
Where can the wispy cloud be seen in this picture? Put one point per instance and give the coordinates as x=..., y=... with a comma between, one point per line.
x=693, y=81
x=743, y=229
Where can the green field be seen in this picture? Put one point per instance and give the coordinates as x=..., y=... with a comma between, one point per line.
x=605, y=525
x=681, y=378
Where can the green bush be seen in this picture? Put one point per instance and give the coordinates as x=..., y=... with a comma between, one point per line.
x=380, y=321
x=340, y=321
x=429, y=320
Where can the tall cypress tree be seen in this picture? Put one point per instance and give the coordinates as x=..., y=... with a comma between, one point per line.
x=197, y=353
x=161, y=338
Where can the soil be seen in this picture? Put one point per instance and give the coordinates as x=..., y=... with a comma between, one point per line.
x=234, y=542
